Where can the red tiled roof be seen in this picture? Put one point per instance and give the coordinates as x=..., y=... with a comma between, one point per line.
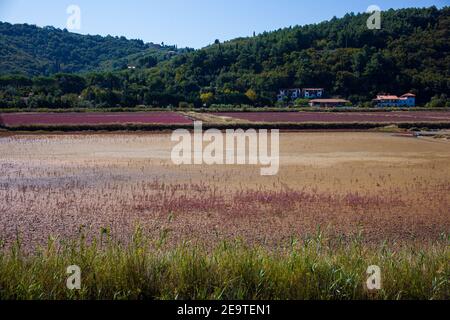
x=392, y=97
x=387, y=98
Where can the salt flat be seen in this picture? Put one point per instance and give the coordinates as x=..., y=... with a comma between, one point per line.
x=389, y=188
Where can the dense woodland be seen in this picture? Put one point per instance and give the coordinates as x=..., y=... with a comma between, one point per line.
x=51, y=68
x=33, y=51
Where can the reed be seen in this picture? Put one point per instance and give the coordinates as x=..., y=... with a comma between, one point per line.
x=314, y=268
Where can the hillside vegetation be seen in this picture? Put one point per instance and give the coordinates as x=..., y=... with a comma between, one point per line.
x=409, y=54
x=30, y=50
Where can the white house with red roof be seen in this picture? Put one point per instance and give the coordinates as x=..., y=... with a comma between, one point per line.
x=406, y=100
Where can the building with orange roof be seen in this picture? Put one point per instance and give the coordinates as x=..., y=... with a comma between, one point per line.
x=406, y=100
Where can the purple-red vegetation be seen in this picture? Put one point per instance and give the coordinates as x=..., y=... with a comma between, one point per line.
x=389, y=117
x=18, y=119
x=204, y=213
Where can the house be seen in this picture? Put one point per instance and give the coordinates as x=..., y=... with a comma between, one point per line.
x=290, y=94
x=406, y=100
x=312, y=93
x=328, y=102
x=296, y=93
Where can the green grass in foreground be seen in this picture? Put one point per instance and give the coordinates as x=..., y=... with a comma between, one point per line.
x=311, y=269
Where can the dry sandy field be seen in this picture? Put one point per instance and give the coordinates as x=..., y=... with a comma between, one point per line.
x=381, y=186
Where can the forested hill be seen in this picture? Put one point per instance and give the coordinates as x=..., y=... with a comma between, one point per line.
x=30, y=50
x=409, y=54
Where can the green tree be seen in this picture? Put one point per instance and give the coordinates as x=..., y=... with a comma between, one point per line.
x=251, y=95
x=207, y=98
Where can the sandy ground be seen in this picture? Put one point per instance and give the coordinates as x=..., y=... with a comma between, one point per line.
x=385, y=187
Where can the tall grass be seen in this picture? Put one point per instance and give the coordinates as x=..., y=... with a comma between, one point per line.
x=314, y=268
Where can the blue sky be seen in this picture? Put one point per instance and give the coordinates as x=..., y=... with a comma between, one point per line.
x=193, y=23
